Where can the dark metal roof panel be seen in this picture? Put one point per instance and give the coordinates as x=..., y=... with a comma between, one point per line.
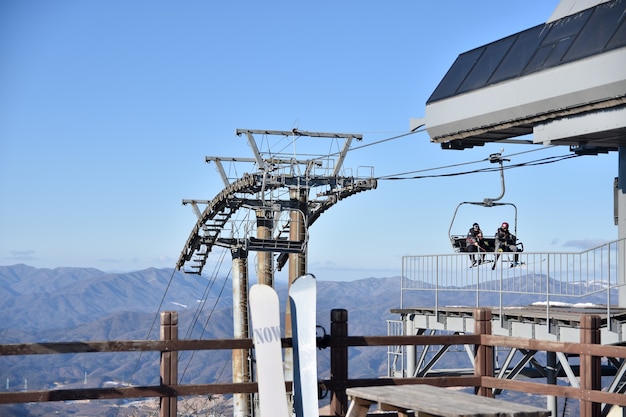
x=587, y=33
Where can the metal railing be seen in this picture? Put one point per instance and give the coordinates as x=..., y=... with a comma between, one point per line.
x=395, y=353
x=591, y=276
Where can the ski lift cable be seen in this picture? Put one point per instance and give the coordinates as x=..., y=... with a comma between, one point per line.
x=219, y=375
x=460, y=164
x=454, y=174
x=400, y=176
x=205, y=295
x=156, y=316
x=331, y=154
x=420, y=129
x=287, y=142
x=283, y=149
x=207, y=321
x=387, y=139
x=542, y=161
x=432, y=169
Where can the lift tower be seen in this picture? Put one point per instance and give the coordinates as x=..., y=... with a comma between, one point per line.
x=269, y=210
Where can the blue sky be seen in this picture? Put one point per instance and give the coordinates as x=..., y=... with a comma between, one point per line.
x=108, y=108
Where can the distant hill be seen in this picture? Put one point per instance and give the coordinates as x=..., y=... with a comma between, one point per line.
x=85, y=304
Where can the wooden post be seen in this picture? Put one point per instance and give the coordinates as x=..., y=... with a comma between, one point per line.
x=483, y=363
x=590, y=371
x=339, y=361
x=169, y=362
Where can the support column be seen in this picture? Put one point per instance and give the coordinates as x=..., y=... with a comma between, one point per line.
x=590, y=371
x=411, y=352
x=483, y=363
x=240, y=357
x=264, y=227
x=551, y=379
x=297, y=261
x=169, y=362
x=620, y=219
x=297, y=231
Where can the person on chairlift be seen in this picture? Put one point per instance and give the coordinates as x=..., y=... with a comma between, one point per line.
x=506, y=242
x=475, y=243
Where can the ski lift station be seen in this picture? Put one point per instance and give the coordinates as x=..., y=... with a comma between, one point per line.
x=562, y=82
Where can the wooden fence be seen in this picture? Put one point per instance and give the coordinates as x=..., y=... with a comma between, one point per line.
x=589, y=349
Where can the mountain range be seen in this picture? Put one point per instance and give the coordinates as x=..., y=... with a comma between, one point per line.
x=86, y=304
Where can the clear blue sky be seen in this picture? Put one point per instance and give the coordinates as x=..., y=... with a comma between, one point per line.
x=108, y=108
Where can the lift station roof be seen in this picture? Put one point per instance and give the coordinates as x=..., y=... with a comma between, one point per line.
x=563, y=81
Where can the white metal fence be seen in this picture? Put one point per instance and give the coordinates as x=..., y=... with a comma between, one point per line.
x=590, y=276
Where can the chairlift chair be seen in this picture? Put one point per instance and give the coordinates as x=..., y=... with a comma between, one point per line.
x=458, y=241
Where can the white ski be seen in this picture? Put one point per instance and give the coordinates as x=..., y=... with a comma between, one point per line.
x=303, y=299
x=266, y=334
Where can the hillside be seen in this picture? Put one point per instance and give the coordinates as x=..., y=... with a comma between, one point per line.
x=85, y=304
x=82, y=304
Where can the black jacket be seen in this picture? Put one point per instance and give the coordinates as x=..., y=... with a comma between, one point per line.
x=504, y=236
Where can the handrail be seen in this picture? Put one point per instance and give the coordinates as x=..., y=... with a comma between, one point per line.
x=554, y=276
x=337, y=341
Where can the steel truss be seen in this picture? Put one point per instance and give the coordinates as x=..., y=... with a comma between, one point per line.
x=269, y=193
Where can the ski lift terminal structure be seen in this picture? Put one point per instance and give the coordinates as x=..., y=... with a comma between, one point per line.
x=264, y=193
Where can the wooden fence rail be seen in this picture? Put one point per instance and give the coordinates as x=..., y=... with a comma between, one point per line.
x=590, y=351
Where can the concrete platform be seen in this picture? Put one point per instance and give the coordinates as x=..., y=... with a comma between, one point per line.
x=554, y=322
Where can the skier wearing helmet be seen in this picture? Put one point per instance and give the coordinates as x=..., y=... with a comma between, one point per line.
x=505, y=242
x=475, y=243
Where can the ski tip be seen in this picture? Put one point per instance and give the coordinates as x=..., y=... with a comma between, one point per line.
x=260, y=290
x=305, y=277
x=303, y=282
